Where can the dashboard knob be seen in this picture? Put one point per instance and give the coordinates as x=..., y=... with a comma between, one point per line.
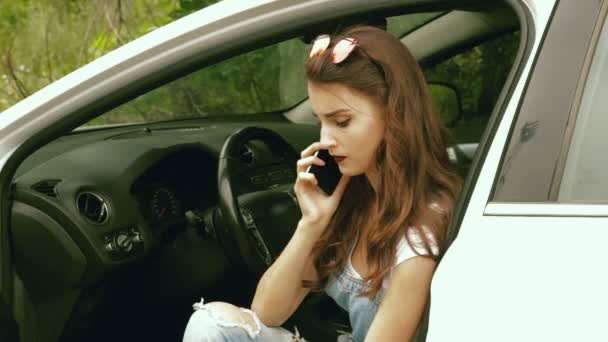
x=110, y=247
x=123, y=241
x=136, y=238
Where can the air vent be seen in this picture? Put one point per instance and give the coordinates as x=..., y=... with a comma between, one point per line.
x=93, y=207
x=47, y=187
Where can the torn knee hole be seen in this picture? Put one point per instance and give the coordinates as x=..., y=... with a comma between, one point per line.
x=228, y=315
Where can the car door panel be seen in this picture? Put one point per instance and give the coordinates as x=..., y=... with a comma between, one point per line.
x=507, y=272
x=523, y=271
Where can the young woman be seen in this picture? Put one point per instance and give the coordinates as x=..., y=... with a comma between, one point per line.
x=373, y=244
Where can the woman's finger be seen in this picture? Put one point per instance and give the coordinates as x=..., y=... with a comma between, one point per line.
x=304, y=163
x=312, y=148
x=306, y=177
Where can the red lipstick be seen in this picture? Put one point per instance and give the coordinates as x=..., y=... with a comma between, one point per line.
x=339, y=159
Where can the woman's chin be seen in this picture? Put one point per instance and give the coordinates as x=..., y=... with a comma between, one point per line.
x=348, y=171
x=343, y=170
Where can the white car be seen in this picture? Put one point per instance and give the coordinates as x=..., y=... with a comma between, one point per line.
x=162, y=172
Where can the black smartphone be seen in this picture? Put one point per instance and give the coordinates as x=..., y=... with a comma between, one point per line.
x=327, y=175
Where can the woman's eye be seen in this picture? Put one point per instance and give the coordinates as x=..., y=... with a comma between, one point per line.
x=342, y=123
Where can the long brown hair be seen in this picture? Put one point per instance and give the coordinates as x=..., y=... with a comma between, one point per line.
x=412, y=161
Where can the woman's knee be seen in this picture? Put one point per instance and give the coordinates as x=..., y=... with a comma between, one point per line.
x=233, y=314
x=217, y=321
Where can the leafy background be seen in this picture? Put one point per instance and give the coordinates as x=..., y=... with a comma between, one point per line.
x=43, y=40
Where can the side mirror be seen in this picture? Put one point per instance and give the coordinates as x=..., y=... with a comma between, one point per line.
x=447, y=102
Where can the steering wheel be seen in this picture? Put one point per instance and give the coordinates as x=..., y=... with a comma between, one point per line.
x=259, y=218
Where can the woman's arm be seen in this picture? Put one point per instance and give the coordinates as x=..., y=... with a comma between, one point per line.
x=403, y=304
x=280, y=291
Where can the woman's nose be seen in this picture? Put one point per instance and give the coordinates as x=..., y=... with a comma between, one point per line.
x=327, y=137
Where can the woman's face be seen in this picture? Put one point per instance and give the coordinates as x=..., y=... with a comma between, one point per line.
x=351, y=123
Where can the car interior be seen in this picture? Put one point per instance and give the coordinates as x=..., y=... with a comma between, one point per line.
x=120, y=225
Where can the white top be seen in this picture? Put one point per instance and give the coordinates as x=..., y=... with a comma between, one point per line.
x=404, y=250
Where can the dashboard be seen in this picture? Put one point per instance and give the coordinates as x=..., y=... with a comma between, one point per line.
x=107, y=198
x=183, y=181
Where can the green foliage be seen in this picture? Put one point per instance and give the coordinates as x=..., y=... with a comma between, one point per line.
x=446, y=102
x=188, y=6
x=43, y=40
x=264, y=80
x=479, y=75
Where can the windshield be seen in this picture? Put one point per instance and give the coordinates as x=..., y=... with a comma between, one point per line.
x=267, y=80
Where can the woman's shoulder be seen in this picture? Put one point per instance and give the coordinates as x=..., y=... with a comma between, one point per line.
x=421, y=235
x=430, y=221
x=416, y=241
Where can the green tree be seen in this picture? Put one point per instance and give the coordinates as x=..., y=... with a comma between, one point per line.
x=43, y=40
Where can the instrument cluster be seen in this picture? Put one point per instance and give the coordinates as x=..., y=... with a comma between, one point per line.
x=161, y=204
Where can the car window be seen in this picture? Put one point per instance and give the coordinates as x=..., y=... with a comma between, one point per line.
x=529, y=163
x=475, y=77
x=271, y=79
x=268, y=79
x=584, y=178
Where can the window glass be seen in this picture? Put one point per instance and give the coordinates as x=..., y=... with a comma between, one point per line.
x=585, y=177
x=269, y=79
x=476, y=77
x=529, y=162
x=465, y=88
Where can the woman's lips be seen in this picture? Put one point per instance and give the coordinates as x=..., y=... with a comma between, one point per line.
x=339, y=159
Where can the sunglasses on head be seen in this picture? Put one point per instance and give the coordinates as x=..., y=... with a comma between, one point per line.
x=340, y=51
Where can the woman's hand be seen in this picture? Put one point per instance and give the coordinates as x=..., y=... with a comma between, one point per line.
x=316, y=206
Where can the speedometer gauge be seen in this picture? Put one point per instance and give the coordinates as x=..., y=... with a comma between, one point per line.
x=164, y=204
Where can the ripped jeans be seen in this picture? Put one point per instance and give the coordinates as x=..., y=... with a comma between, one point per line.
x=224, y=322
